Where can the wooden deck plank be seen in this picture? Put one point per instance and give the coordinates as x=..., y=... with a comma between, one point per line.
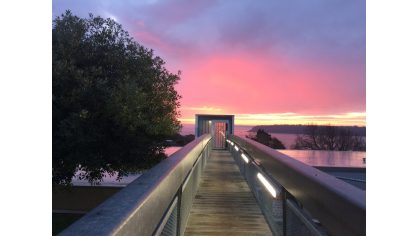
x=224, y=204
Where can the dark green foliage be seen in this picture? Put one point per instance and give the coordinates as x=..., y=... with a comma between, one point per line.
x=62, y=221
x=329, y=138
x=114, y=103
x=266, y=139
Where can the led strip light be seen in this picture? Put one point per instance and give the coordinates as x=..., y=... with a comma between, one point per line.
x=245, y=158
x=267, y=185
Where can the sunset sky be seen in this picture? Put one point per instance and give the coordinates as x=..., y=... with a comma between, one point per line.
x=266, y=62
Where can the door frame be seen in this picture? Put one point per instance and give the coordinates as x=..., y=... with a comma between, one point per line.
x=213, y=129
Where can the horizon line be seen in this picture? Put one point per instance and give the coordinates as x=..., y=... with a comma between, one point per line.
x=352, y=118
x=296, y=124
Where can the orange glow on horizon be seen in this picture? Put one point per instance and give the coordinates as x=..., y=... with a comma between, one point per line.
x=289, y=118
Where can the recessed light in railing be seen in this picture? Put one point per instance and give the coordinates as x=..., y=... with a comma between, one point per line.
x=245, y=158
x=267, y=185
x=236, y=148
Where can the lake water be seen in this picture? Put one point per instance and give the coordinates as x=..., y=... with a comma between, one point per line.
x=243, y=130
x=313, y=157
x=321, y=158
x=109, y=180
x=310, y=157
x=317, y=158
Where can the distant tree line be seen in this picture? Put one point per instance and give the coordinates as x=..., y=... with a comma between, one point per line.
x=329, y=138
x=265, y=138
x=317, y=137
x=302, y=129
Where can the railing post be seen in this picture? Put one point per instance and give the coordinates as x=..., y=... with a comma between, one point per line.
x=283, y=198
x=178, y=209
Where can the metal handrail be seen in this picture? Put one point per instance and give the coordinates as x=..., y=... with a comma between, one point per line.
x=139, y=208
x=339, y=206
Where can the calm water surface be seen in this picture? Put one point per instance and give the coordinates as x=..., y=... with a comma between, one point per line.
x=310, y=157
x=318, y=158
x=328, y=158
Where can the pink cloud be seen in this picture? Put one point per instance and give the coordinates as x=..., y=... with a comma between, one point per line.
x=244, y=57
x=257, y=83
x=151, y=39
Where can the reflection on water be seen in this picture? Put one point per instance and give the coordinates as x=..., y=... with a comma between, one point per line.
x=171, y=150
x=287, y=139
x=309, y=157
x=313, y=157
x=317, y=157
x=328, y=158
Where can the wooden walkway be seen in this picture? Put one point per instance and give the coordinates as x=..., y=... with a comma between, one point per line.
x=224, y=204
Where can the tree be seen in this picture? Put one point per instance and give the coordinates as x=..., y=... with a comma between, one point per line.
x=276, y=144
x=263, y=137
x=113, y=101
x=266, y=139
x=329, y=138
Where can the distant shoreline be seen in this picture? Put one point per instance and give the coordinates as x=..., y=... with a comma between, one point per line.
x=300, y=129
x=277, y=129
